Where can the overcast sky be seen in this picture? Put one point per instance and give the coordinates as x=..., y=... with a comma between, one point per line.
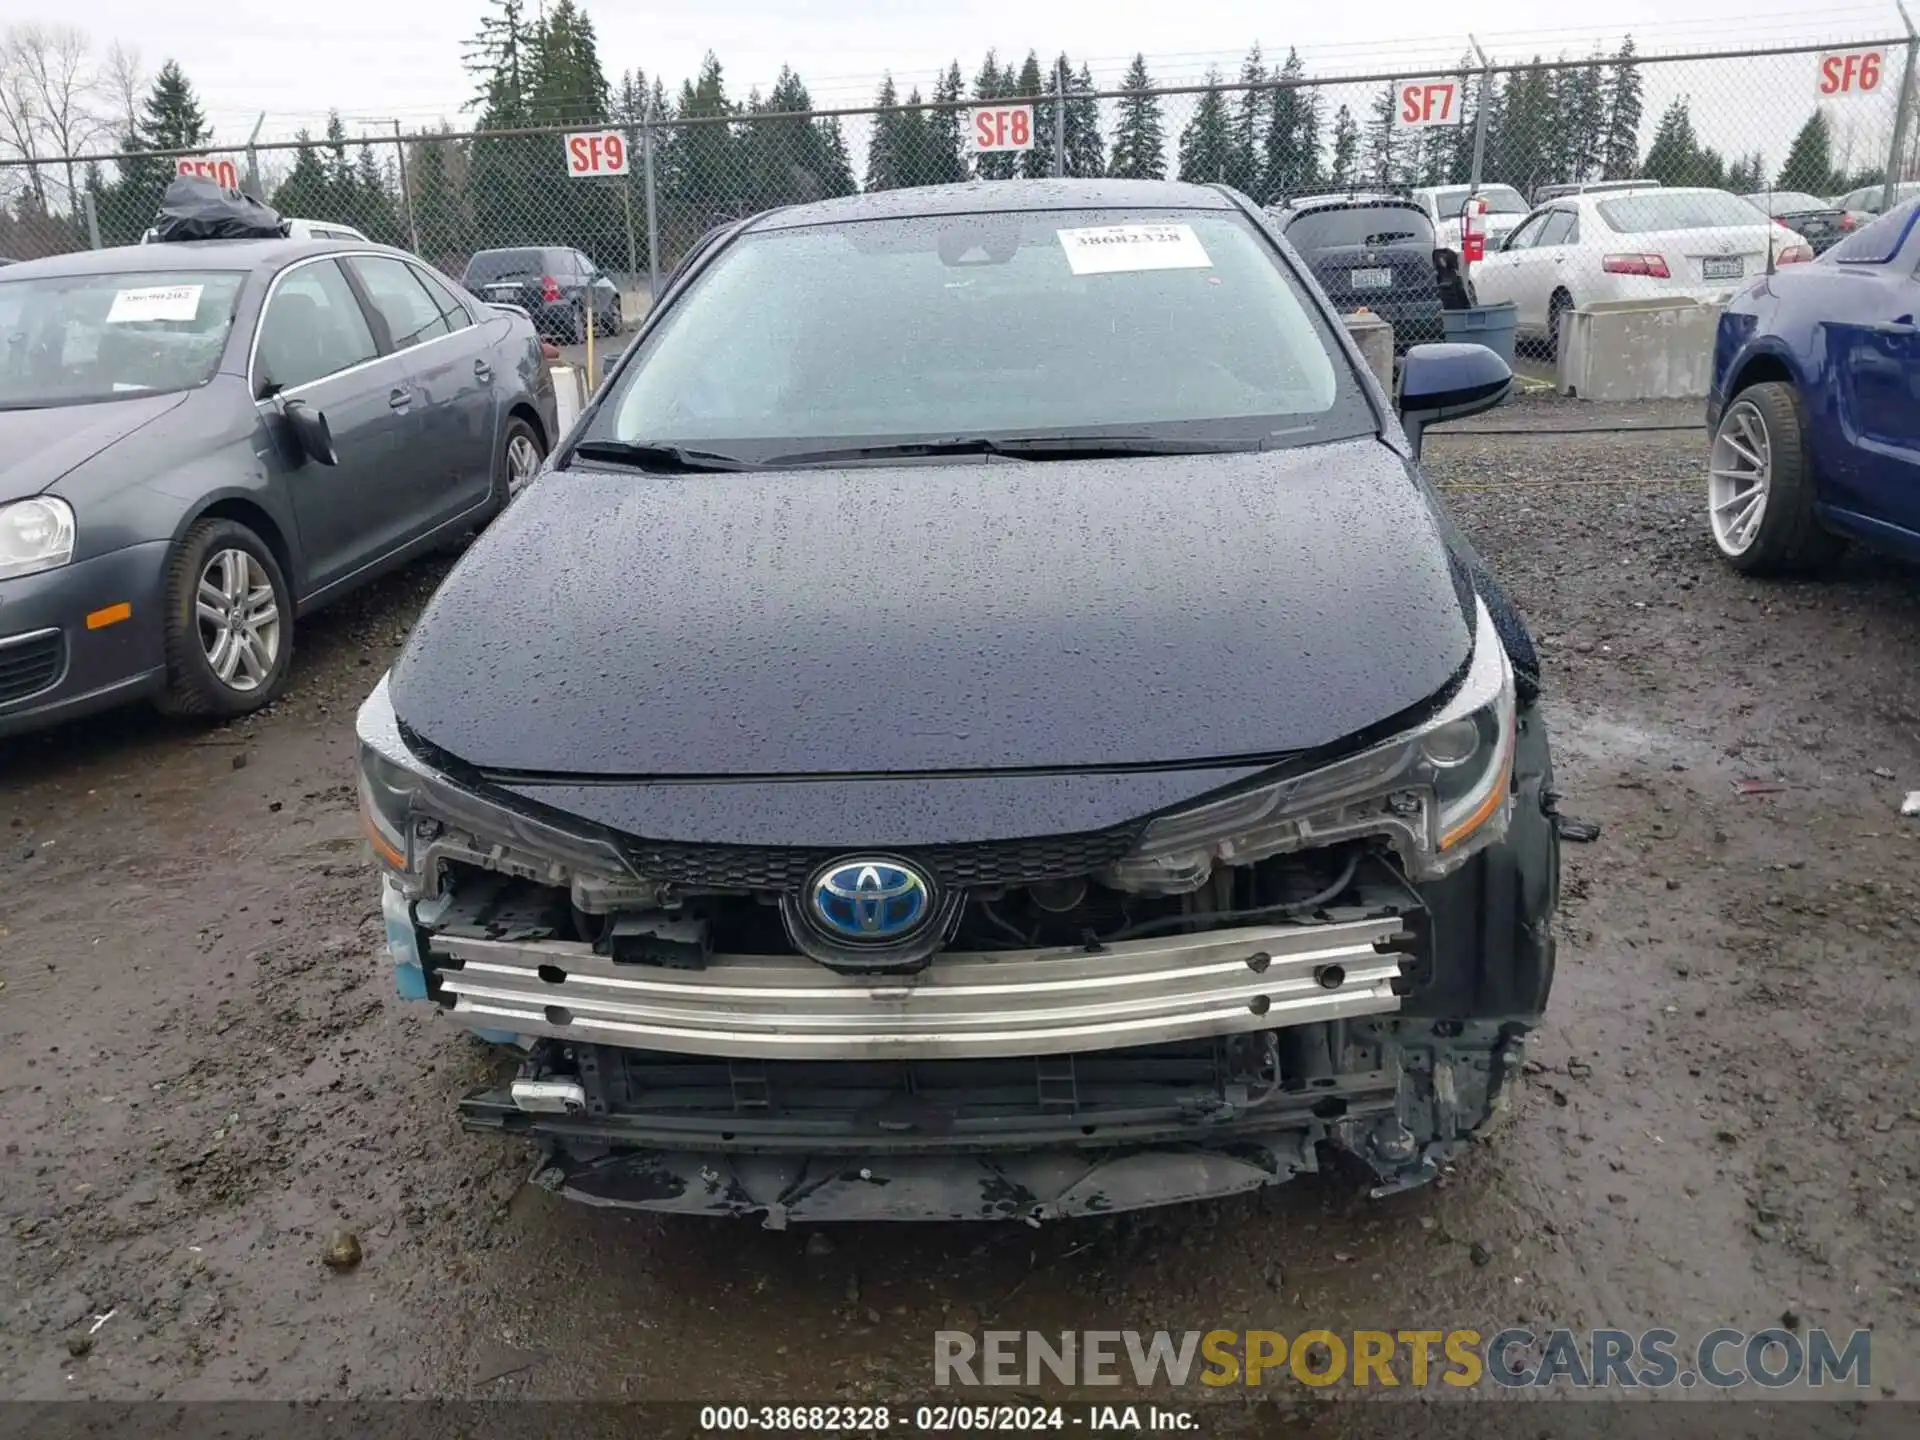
x=374, y=59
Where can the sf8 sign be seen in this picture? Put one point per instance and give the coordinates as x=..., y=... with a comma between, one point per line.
x=993, y=128
x=1847, y=74
x=1418, y=104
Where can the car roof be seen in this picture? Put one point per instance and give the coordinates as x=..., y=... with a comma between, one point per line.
x=986, y=197
x=260, y=255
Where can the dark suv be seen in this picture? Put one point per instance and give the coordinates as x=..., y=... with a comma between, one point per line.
x=1373, y=252
x=555, y=285
x=986, y=717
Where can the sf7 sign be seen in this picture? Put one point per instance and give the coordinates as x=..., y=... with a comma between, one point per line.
x=1418, y=104
x=992, y=128
x=597, y=152
x=1847, y=74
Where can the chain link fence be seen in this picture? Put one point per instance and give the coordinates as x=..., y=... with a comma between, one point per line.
x=1822, y=136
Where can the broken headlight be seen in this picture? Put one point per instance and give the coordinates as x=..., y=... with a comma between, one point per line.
x=416, y=818
x=1438, y=794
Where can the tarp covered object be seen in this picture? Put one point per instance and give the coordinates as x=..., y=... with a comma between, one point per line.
x=197, y=209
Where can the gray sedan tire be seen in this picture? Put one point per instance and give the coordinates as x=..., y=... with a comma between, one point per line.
x=228, y=628
x=521, y=454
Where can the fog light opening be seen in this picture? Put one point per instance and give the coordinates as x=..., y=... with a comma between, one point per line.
x=1330, y=977
x=559, y=1015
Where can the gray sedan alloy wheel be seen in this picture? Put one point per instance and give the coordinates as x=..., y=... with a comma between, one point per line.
x=239, y=620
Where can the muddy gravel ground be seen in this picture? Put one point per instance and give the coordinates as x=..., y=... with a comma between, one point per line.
x=204, y=1074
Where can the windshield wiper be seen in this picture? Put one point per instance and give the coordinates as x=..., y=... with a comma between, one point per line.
x=642, y=455
x=1019, y=447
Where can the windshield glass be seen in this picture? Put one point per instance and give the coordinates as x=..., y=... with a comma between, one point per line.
x=1501, y=200
x=1677, y=210
x=503, y=265
x=1359, y=226
x=1073, y=323
x=76, y=339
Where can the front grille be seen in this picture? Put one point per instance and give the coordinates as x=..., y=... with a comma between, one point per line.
x=996, y=862
x=30, y=664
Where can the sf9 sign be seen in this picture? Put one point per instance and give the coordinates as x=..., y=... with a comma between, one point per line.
x=597, y=152
x=217, y=168
x=995, y=128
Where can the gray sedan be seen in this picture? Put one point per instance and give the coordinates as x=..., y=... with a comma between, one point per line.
x=201, y=442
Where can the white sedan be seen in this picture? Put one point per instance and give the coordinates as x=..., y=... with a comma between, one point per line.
x=1637, y=245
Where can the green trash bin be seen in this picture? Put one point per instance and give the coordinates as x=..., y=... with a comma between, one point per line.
x=1488, y=325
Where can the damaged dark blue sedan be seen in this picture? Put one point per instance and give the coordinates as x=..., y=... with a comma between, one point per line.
x=983, y=717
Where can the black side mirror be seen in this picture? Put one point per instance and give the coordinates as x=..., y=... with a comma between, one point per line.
x=310, y=432
x=1448, y=382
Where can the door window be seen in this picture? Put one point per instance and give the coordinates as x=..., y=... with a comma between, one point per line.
x=313, y=328
x=1558, y=230
x=1527, y=235
x=412, y=315
x=455, y=313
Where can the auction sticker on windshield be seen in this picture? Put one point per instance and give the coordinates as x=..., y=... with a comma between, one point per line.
x=1108, y=249
x=155, y=302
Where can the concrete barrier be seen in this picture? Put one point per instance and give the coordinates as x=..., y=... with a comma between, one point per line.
x=569, y=394
x=1374, y=336
x=1638, y=349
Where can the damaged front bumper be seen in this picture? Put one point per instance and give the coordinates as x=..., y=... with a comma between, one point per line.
x=1084, y=1138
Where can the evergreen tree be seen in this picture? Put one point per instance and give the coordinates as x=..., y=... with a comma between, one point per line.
x=1748, y=174
x=1037, y=163
x=1521, y=150
x=707, y=182
x=1206, y=144
x=1139, y=141
x=1086, y=150
x=568, y=86
x=435, y=173
x=1290, y=158
x=1620, y=141
x=375, y=212
x=340, y=181
x=1249, y=123
x=306, y=192
x=789, y=157
x=170, y=118
x=1809, y=164
x=911, y=138
x=1673, y=156
x=1346, y=150
x=1578, y=100
x=498, y=58
x=946, y=142
x=836, y=173
x=886, y=160
x=1381, y=154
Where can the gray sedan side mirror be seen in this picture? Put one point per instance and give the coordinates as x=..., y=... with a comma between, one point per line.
x=311, y=433
x=1448, y=382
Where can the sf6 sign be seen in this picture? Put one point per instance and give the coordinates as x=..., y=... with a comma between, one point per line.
x=217, y=168
x=1845, y=74
x=1418, y=104
x=992, y=128
x=597, y=152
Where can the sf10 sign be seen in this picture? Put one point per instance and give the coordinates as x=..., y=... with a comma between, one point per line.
x=217, y=168
x=1420, y=104
x=1850, y=74
x=597, y=152
x=993, y=128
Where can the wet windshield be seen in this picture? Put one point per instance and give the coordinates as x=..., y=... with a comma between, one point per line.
x=1069, y=323
x=78, y=339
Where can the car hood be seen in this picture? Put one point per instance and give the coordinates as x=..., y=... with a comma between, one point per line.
x=38, y=447
x=940, y=618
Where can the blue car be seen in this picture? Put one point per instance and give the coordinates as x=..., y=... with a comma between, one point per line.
x=1815, y=409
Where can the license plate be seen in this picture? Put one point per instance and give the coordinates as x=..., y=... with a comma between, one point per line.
x=1373, y=279
x=1729, y=269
